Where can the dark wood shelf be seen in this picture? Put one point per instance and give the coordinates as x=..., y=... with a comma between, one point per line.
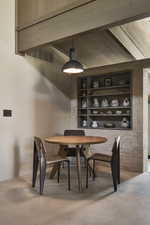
x=109, y=107
x=105, y=87
x=104, y=128
x=109, y=94
x=117, y=91
x=110, y=115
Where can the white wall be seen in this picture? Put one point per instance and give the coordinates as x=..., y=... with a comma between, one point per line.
x=38, y=106
x=149, y=114
x=149, y=129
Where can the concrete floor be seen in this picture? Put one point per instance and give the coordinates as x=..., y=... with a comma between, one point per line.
x=21, y=205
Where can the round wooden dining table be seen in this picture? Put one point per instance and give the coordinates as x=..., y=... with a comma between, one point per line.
x=80, y=142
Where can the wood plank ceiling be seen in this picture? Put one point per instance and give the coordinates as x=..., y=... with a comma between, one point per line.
x=98, y=48
x=95, y=48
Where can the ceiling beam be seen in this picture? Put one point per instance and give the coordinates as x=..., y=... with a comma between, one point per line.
x=59, y=52
x=41, y=54
x=127, y=42
x=97, y=14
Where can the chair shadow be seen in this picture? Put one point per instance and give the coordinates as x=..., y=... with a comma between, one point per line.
x=16, y=159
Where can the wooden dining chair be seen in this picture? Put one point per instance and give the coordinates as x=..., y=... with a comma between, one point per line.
x=113, y=159
x=40, y=160
x=71, y=151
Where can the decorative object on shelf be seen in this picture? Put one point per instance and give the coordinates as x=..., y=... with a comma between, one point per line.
x=114, y=103
x=84, y=103
x=95, y=84
x=126, y=102
x=95, y=111
x=105, y=99
x=122, y=82
x=95, y=102
x=125, y=123
x=104, y=103
x=83, y=84
x=109, y=125
x=84, y=94
x=107, y=82
x=109, y=112
x=118, y=112
x=84, y=123
x=101, y=113
x=72, y=66
x=94, y=124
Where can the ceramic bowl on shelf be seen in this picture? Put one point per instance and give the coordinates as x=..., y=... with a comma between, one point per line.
x=95, y=111
x=109, y=112
x=109, y=125
x=118, y=112
x=122, y=82
x=115, y=103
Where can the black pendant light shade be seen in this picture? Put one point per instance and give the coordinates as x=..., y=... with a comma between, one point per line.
x=72, y=66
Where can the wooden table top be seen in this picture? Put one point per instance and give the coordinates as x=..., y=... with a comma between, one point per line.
x=76, y=140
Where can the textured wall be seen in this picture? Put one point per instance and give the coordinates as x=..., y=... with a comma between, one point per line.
x=131, y=140
x=39, y=107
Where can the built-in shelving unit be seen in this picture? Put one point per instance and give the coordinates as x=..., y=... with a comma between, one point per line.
x=105, y=102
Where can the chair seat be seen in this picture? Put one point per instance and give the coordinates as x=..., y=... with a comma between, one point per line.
x=101, y=157
x=56, y=159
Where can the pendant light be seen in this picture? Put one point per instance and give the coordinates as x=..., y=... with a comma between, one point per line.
x=72, y=66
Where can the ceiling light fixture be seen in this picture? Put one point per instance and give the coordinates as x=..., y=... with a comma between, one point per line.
x=72, y=66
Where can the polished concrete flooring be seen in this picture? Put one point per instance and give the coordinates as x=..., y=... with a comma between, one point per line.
x=21, y=205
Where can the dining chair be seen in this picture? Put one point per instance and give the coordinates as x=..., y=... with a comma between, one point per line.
x=113, y=159
x=40, y=160
x=71, y=151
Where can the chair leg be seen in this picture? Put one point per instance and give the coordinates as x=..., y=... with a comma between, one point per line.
x=114, y=175
x=94, y=170
x=90, y=171
x=85, y=162
x=58, y=173
x=118, y=169
x=63, y=165
x=87, y=173
x=42, y=176
x=35, y=169
x=68, y=162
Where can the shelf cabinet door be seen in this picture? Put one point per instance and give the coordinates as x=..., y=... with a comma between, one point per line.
x=32, y=11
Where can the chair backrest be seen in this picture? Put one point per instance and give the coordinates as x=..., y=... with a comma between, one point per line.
x=116, y=148
x=40, y=148
x=74, y=133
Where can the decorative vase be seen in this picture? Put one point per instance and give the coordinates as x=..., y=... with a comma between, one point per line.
x=84, y=103
x=126, y=102
x=125, y=123
x=104, y=103
x=95, y=102
x=84, y=84
x=84, y=123
x=95, y=84
x=94, y=124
